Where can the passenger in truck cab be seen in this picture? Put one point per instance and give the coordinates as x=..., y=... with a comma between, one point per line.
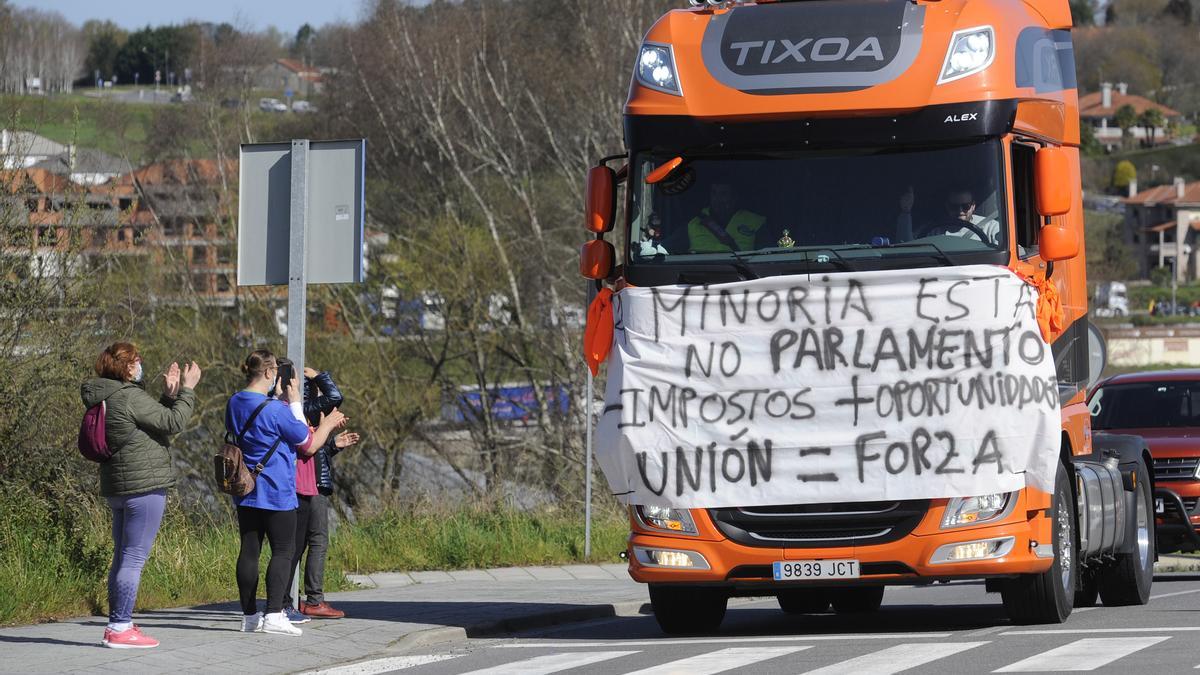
x=959, y=219
x=722, y=226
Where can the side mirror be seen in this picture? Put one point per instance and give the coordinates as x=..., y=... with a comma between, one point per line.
x=601, y=200
x=1051, y=169
x=1056, y=242
x=596, y=259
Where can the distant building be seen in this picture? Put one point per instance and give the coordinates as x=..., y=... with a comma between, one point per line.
x=85, y=166
x=24, y=149
x=59, y=224
x=1099, y=110
x=182, y=198
x=290, y=75
x=1163, y=224
x=169, y=212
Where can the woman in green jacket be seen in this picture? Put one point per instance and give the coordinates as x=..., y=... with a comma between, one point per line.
x=135, y=480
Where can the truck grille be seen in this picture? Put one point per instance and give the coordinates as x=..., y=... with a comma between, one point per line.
x=1175, y=468
x=1170, y=510
x=820, y=525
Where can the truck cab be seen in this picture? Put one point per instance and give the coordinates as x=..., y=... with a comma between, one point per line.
x=825, y=137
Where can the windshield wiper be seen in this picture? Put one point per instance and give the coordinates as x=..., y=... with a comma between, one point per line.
x=739, y=264
x=938, y=253
x=841, y=263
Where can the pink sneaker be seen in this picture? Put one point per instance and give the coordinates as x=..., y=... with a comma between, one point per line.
x=128, y=639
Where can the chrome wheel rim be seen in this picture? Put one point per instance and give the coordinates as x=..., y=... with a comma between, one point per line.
x=1143, y=533
x=1065, y=548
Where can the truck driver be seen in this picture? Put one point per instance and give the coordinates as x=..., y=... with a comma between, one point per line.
x=959, y=208
x=722, y=226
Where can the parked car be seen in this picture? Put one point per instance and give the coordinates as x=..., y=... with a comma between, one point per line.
x=303, y=107
x=1163, y=408
x=232, y=103
x=272, y=105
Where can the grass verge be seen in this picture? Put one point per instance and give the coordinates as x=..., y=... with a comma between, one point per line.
x=54, y=555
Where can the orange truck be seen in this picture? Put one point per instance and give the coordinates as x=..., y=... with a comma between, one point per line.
x=843, y=136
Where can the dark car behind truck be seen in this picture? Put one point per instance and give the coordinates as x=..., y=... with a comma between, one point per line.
x=1162, y=407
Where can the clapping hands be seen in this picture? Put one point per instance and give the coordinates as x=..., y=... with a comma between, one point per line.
x=171, y=381
x=176, y=379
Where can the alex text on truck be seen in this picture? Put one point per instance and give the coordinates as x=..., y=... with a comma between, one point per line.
x=845, y=338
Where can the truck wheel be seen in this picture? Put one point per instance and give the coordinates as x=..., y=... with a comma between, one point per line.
x=1127, y=581
x=857, y=599
x=688, y=609
x=803, y=601
x=1049, y=597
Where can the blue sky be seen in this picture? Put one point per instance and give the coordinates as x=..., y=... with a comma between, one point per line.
x=286, y=15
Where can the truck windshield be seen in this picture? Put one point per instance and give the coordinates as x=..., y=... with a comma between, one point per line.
x=850, y=205
x=1146, y=405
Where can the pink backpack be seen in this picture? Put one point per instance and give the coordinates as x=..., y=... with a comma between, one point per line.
x=93, y=444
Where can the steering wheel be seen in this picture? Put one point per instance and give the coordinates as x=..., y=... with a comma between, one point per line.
x=950, y=224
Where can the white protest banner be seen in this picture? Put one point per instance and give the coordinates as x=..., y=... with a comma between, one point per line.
x=863, y=386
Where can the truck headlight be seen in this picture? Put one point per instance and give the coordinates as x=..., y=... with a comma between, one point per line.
x=962, y=511
x=676, y=521
x=656, y=68
x=971, y=51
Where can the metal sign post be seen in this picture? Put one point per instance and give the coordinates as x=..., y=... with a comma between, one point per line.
x=298, y=287
x=297, y=248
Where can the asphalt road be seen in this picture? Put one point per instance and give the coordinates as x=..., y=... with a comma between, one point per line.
x=956, y=628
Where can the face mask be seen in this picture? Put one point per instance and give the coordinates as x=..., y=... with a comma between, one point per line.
x=137, y=374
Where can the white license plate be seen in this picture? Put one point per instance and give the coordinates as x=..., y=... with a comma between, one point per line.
x=802, y=570
x=1159, y=507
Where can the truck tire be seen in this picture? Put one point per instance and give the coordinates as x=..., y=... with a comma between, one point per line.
x=688, y=610
x=857, y=599
x=1049, y=597
x=1127, y=581
x=803, y=600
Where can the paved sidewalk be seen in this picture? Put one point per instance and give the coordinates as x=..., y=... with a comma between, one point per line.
x=401, y=609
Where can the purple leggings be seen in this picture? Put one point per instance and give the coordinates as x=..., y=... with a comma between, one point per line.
x=135, y=524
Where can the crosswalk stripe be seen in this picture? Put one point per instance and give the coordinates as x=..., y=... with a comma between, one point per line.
x=1069, y=631
x=896, y=659
x=719, y=661
x=1085, y=654
x=385, y=665
x=550, y=663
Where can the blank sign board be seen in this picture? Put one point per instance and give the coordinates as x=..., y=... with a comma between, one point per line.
x=335, y=213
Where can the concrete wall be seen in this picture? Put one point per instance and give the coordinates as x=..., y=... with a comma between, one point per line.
x=1148, y=346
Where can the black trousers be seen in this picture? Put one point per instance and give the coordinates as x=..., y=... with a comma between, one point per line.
x=279, y=527
x=303, y=516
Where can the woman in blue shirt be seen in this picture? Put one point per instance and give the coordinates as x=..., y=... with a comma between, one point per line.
x=270, y=509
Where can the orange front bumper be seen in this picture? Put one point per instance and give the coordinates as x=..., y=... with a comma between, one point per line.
x=905, y=561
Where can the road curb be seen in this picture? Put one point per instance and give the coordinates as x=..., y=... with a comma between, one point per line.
x=1176, y=563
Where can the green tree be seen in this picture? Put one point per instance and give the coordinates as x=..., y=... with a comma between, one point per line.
x=1087, y=141
x=302, y=46
x=104, y=40
x=164, y=48
x=1124, y=174
x=1151, y=120
x=1125, y=119
x=1083, y=12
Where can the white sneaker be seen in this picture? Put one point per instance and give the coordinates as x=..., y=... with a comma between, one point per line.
x=278, y=624
x=252, y=623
